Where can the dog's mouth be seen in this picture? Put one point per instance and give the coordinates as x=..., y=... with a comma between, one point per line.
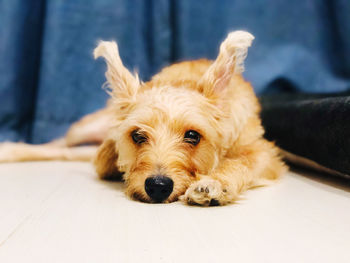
x=141, y=197
x=144, y=197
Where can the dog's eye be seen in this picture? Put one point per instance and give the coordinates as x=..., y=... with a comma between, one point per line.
x=138, y=137
x=192, y=137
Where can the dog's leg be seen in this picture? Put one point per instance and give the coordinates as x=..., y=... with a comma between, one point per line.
x=21, y=152
x=234, y=175
x=91, y=129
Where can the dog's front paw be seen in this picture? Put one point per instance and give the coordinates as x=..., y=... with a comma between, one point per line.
x=205, y=192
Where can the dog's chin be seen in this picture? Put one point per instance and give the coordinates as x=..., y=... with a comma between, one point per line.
x=143, y=197
x=140, y=196
x=172, y=198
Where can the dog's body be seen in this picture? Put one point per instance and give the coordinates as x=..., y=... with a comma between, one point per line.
x=193, y=132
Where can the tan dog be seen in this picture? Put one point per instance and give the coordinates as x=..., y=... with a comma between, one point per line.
x=192, y=133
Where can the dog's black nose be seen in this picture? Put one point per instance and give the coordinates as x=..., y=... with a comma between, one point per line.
x=159, y=187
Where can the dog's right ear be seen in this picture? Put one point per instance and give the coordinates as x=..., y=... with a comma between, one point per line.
x=122, y=83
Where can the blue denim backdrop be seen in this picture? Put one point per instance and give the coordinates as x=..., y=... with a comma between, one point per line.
x=48, y=78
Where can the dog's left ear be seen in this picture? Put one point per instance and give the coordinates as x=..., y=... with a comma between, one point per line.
x=122, y=83
x=229, y=62
x=106, y=161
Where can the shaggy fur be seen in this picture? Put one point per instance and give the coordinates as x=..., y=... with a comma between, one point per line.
x=210, y=98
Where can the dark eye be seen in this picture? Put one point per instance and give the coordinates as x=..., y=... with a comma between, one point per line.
x=192, y=137
x=138, y=137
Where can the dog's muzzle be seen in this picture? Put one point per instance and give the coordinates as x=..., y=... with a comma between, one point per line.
x=159, y=187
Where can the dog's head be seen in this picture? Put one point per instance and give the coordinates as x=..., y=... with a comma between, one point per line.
x=178, y=126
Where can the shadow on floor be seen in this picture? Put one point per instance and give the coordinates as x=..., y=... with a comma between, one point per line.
x=321, y=177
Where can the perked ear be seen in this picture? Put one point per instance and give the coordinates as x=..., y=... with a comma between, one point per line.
x=121, y=82
x=229, y=62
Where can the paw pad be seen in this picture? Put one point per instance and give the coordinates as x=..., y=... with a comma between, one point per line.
x=206, y=192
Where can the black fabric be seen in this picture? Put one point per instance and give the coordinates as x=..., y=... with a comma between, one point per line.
x=316, y=127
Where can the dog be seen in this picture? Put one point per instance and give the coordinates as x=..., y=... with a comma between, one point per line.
x=192, y=133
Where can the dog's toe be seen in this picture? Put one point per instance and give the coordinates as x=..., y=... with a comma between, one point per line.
x=205, y=192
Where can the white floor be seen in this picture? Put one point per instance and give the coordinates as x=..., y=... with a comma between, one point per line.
x=60, y=212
